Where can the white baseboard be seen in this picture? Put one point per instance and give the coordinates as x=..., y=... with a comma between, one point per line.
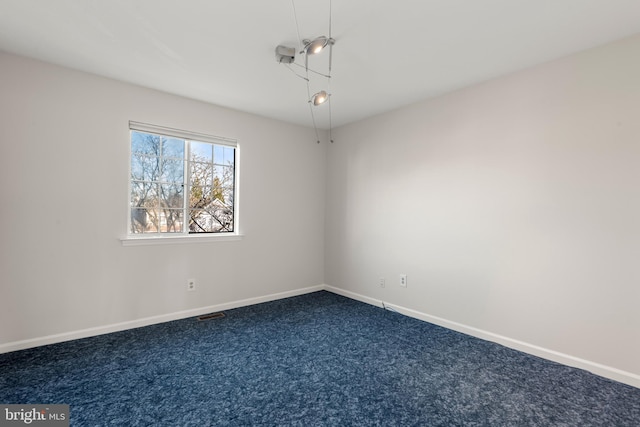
x=565, y=359
x=122, y=326
x=596, y=368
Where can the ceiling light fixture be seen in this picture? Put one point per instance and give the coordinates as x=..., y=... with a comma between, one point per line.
x=286, y=55
x=319, y=98
x=311, y=47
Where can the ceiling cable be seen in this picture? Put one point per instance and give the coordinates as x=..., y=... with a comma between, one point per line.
x=286, y=55
x=313, y=118
x=330, y=125
x=295, y=17
x=294, y=72
x=329, y=77
x=312, y=70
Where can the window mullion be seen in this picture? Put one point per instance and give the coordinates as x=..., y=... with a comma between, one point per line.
x=159, y=212
x=186, y=182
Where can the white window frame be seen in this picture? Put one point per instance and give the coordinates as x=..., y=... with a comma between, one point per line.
x=134, y=239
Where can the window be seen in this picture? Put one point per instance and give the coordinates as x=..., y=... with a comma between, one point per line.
x=181, y=182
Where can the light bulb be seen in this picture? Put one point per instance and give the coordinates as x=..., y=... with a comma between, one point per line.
x=319, y=98
x=316, y=45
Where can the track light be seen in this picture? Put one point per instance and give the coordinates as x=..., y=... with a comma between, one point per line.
x=319, y=98
x=311, y=47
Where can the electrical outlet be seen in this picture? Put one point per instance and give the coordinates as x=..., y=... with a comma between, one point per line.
x=403, y=280
x=191, y=284
x=381, y=282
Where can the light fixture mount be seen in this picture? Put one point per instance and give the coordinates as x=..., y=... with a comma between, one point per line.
x=285, y=55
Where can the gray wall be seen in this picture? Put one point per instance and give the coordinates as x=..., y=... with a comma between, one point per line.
x=512, y=206
x=64, y=159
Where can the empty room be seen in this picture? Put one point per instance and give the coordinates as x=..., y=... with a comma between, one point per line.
x=329, y=213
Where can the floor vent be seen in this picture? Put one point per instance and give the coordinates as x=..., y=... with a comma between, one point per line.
x=210, y=316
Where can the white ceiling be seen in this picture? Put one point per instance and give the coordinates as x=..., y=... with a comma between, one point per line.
x=387, y=53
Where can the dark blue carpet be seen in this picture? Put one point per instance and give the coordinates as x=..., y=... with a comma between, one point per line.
x=313, y=360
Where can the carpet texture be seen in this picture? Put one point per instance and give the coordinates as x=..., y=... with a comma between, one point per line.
x=314, y=360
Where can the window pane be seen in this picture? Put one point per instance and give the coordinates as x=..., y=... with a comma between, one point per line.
x=203, y=222
x=229, y=154
x=223, y=155
x=218, y=154
x=171, y=220
x=172, y=170
x=224, y=174
x=216, y=217
x=201, y=151
x=144, y=194
x=201, y=173
x=171, y=196
x=145, y=168
x=211, y=194
x=145, y=143
x=173, y=147
x=228, y=196
x=223, y=181
x=198, y=222
x=200, y=196
x=144, y=220
x=138, y=220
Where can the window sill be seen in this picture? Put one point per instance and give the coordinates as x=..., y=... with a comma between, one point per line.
x=181, y=239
